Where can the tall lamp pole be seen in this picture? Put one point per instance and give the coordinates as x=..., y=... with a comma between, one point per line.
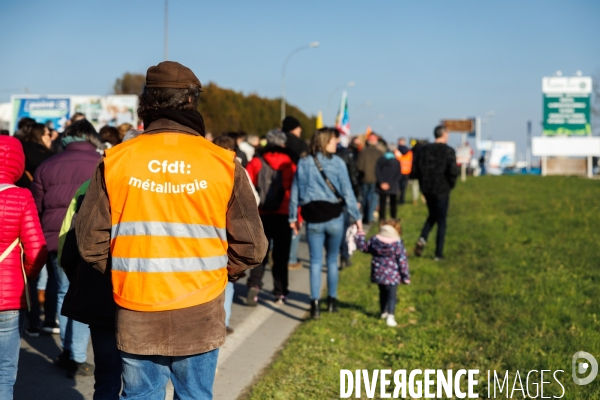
x=308, y=46
x=166, y=30
x=528, y=155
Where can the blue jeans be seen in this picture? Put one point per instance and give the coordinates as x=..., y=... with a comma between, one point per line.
x=11, y=327
x=74, y=336
x=229, y=292
x=42, y=279
x=146, y=377
x=329, y=235
x=294, y=248
x=369, y=201
x=107, y=361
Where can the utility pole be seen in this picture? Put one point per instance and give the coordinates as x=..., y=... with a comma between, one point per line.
x=528, y=146
x=166, y=30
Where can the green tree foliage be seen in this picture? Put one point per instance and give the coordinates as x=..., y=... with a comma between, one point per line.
x=225, y=110
x=129, y=83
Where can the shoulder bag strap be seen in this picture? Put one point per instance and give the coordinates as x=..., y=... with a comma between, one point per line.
x=10, y=248
x=328, y=182
x=5, y=186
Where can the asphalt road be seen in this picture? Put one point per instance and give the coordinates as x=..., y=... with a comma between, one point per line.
x=259, y=333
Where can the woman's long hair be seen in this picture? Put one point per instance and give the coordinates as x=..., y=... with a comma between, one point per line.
x=34, y=133
x=320, y=140
x=84, y=129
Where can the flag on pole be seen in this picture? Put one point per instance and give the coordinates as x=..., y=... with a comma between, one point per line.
x=319, y=120
x=342, y=122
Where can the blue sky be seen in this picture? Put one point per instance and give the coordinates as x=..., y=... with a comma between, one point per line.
x=413, y=62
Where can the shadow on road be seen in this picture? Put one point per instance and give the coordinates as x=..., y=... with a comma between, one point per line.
x=37, y=378
x=44, y=344
x=266, y=299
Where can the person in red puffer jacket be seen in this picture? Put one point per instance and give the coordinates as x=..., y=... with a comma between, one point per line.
x=273, y=209
x=22, y=252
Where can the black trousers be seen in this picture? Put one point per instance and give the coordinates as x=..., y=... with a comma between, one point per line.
x=387, y=298
x=277, y=228
x=50, y=303
x=438, y=212
x=403, y=185
x=382, y=204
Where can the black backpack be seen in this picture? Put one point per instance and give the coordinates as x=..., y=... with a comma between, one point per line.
x=270, y=187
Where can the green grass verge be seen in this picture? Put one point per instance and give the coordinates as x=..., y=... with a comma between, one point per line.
x=519, y=291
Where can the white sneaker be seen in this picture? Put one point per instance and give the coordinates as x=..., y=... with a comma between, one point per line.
x=53, y=330
x=384, y=315
x=391, y=321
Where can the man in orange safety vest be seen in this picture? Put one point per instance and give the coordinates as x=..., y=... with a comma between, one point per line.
x=405, y=156
x=171, y=217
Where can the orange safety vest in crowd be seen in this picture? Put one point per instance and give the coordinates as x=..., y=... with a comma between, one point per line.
x=406, y=161
x=168, y=195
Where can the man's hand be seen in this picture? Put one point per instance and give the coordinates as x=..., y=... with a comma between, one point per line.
x=384, y=186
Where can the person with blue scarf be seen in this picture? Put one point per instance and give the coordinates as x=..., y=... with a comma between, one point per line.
x=387, y=171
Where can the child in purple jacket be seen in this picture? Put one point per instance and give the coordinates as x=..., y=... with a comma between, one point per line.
x=389, y=266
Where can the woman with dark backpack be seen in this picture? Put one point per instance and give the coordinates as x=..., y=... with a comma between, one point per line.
x=272, y=172
x=322, y=188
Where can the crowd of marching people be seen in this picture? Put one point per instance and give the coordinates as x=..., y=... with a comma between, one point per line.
x=102, y=236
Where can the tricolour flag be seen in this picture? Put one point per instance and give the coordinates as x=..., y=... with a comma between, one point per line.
x=342, y=122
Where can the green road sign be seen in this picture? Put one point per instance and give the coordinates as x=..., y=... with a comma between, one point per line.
x=567, y=105
x=567, y=114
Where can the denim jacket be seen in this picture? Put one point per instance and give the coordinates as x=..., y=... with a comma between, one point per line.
x=309, y=185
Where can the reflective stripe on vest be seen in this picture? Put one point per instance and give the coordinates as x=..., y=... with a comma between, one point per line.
x=169, y=264
x=169, y=195
x=168, y=229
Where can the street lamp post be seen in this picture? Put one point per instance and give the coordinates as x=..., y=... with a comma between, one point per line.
x=166, y=30
x=308, y=46
x=347, y=85
x=489, y=115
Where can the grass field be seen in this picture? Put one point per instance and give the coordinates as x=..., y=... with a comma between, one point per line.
x=519, y=290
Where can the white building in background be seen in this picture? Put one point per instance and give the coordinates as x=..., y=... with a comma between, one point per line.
x=5, y=115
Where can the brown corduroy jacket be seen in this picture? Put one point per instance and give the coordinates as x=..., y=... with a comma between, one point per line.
x=185, y=331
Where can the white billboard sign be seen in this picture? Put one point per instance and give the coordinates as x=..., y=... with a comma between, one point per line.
x=99, y=110
x=463, y=154
x=566, y=146
x=567, y=84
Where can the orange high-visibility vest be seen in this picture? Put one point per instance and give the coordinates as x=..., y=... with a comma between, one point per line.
x=406, y=161
x=168, y=195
